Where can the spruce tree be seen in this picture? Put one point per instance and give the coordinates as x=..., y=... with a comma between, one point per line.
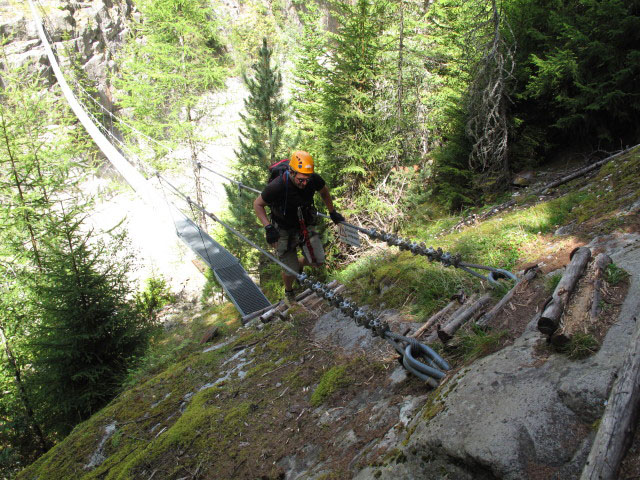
x=89, y=330
x=261, y=144
x=358, y=133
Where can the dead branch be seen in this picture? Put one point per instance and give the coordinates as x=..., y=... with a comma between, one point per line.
x=457, y=299
x=584, y=171
x=434, y=336
x=445, y=334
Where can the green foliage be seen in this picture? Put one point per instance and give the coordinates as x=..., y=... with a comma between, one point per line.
x=262, y=143
x=581, y=345
x=38, y=166
x=332, y=380
x=577, y=65
x=154, y=295
x=614, y=274
x=89, y=332
x=173, y=56
x=358, y=135
x=476, y=343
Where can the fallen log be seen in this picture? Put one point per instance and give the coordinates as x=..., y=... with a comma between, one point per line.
x=457, y=299
x=600, y=265
x=268, y=315
x=617, y=425
x=582, y=171
x=529, y=275
x=303, y=295
x=434, y=336
x=446, y=333
x=255, y=314
x=550, y=318
x=314, y=302
x=434, y=318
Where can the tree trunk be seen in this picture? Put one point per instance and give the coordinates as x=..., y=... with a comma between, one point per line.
x=601, y=263
x=445, y=334
x=550, y=318
x=435, y=317
x=618, y=422
x=469, y=301
x=490, y=315
x=44, y=446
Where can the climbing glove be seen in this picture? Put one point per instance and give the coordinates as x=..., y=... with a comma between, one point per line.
x=336, y=217
x=272, y=234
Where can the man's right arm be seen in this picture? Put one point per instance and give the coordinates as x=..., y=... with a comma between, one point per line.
x=259, y=207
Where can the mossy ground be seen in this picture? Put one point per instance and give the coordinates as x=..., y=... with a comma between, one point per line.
x=249, y=424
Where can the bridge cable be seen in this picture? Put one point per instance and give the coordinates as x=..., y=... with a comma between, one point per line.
x=430, y=369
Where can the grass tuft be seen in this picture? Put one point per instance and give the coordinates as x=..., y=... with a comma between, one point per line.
x=580, y=346
x=614, y=274
x=477, y=343
x=331, y=381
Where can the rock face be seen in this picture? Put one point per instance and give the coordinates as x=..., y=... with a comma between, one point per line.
x=90, y=31
x=519, y=413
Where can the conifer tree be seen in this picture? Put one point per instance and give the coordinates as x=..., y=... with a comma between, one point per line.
x=50, y=275
x=358, y=132
x=310, y=77
x=89, y=330
x=174, y=55
x=261, y=144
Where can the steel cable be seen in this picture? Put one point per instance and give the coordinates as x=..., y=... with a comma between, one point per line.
x=411, y=348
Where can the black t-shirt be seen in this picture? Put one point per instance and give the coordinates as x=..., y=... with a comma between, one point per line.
x=284, y=198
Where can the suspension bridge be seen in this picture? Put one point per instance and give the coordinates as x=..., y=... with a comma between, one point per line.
x=417, y=358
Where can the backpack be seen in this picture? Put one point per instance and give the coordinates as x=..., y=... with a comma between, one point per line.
x=278, y=169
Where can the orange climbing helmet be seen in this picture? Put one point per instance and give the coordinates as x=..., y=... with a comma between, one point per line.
x=301, y=162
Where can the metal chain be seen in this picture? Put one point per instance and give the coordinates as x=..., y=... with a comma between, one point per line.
x=410, y=349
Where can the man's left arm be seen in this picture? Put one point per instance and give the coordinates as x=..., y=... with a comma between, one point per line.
x=326, y=198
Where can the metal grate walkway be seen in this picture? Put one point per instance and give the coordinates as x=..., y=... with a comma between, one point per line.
x=236, y=283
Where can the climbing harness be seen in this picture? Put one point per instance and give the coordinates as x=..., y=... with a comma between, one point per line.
x=417, y=358
x=305, y=236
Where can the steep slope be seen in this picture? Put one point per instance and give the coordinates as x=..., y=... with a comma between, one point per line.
x=288, y=400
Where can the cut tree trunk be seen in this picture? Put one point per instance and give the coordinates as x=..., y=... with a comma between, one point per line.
x=446, y=333
x=469, y=301
x=255, y=314
x=550, y=319
x=434, y=318
x=600, y=265
x=618, y=422
x=497, y=308
x=268, y=315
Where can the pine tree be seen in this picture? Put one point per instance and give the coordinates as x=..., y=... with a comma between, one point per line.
x=358, y=136
x=89, y=330
x=261, y=144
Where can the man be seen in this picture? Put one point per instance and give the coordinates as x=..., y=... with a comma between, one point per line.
x=290, y=198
